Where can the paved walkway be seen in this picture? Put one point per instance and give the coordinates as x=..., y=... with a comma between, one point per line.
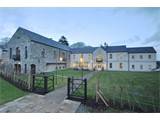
x=34, y=103
x=51, y=102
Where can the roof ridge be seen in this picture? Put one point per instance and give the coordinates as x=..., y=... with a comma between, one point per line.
x=48, y=41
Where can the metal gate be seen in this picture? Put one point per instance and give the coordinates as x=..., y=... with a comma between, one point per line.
x=42, y=83
x=77, y=89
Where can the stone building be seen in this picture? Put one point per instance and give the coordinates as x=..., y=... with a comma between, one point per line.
x=30, y=52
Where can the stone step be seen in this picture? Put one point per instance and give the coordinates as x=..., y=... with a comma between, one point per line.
x=68, y=106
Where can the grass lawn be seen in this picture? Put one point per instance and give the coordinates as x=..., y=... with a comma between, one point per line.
x=9, y=92
x=60, y=77
x=139, y=89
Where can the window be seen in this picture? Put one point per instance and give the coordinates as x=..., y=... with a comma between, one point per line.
x=10, y=53
x=63, y=56
x=120, y=65
x=149, y=56
x=81, y=56
x=90, y=56
x=132, y=56
x=55, y=54
x=18, y=37
x=133, y=67
x=43, y=53
x=110, y=65
x=141, y=67
x=110, y=56
x=149, y=66
x=141, y=56
x=74, y=56
x=26, y=54
x=25, y=68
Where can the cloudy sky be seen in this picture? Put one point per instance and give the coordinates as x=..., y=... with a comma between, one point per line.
x=94, y=26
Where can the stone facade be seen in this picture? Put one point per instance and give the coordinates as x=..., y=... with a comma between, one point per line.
x=29, y=52
x=35, y=56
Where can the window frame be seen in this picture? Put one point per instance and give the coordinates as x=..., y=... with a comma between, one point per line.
x=110, y=65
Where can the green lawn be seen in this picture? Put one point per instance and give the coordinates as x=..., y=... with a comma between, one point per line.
x=60, y=77
x=135, y=89
x=9, y=92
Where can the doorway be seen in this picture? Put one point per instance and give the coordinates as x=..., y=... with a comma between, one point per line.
x=33, y=69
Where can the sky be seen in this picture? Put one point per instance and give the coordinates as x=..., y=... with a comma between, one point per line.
x=134, y=27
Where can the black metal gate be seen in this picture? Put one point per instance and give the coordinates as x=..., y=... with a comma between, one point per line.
x=77, y=89
x=42, y=83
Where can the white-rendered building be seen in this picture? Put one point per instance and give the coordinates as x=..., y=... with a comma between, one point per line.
x=114, y=58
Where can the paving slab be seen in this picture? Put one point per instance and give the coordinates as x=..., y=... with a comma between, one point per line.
x=36, y=103
x=68, y=106
x=51, y=102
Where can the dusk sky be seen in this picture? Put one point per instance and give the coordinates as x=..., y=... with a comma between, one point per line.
x=93, y=26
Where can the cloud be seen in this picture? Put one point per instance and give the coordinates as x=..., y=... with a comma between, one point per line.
x=151, y=12
x=134, y=39
x=154, y=39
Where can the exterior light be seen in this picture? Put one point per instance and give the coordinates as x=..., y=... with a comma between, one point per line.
x=60, y=58
x=81, y=60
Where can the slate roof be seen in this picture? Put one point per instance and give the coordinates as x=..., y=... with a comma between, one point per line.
x=111, y=49
x=141, y=50
x=43, y=40
x=83, y=50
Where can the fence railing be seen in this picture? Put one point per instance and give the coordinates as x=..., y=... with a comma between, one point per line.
x=125, y=99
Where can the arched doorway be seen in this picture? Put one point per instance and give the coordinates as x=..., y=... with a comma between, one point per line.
x=17, y=68
x=33, y=69
x=99, y=63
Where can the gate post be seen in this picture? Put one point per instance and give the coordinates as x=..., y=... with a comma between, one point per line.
x=45, y=84
x=68, y=87
x=85, y=90
x=33, y=84
x=72, y=83
x=53, y=81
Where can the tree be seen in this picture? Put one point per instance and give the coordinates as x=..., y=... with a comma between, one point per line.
x=78, y=45
x=4, y=40
x=63, y=40
x=105, y=44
